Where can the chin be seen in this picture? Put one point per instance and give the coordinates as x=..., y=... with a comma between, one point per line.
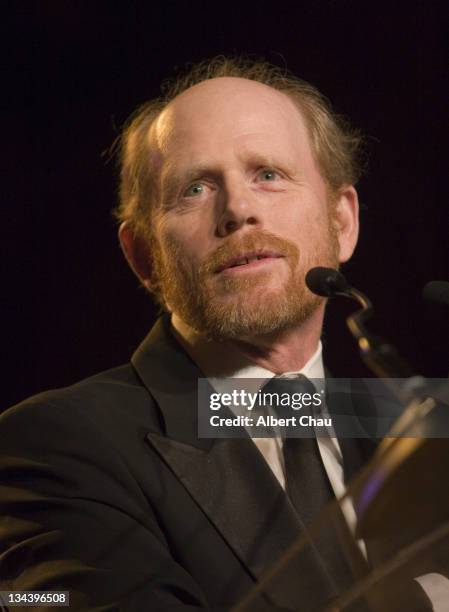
x=263, y=313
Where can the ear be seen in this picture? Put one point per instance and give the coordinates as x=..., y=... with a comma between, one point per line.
x=137, y=252
x=346, y=220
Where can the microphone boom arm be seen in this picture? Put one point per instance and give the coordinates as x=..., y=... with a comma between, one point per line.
x=381, y=357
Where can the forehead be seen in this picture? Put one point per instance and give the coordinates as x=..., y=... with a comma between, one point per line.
x=228, y=110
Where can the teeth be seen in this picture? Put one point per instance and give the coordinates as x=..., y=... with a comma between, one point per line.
x=242, y=262
x=247, y=260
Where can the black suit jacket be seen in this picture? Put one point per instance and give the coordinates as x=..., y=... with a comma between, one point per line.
x=106, y=491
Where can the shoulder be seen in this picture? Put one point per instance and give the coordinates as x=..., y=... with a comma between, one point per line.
x=109, y=403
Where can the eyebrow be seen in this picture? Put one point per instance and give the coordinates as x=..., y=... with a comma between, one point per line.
x=191, y=173
x=172, y=178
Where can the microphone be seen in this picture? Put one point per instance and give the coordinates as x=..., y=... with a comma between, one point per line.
x=326, y=282
x=436, y=291
x=380, y=356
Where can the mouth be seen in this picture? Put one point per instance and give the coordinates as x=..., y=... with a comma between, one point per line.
x=248, y=260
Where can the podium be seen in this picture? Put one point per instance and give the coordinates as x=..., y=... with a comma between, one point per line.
x=401, y=499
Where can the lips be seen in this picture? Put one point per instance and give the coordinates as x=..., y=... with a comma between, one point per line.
x=247, y=258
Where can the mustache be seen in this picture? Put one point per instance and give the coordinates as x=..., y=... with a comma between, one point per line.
x=254, y=241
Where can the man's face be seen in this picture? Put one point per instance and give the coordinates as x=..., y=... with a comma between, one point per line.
x=243, y=211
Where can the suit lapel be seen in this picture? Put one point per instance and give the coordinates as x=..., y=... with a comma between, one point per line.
x=228, y=478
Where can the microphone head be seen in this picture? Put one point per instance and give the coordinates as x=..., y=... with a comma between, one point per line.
x=436, y=291
x=326, y=282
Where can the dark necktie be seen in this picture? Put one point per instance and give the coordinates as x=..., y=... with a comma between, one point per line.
x=309, y=490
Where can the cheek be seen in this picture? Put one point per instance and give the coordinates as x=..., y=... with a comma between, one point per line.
x=178, y=248
x=301, y=211
x=187, y=234
x=313, y=239
x=304, y=229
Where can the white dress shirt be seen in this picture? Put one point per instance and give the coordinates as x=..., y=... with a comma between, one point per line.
x=218, y=361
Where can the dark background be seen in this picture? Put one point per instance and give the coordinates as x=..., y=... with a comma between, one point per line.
x=77, y=70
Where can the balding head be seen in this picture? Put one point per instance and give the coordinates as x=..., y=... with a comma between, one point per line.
x=246, y=118
x=334, y=145
x=221, y=100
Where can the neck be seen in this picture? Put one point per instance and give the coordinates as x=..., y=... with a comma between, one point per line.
x=278, y=352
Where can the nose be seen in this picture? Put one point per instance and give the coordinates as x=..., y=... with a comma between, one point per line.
x=238, y=207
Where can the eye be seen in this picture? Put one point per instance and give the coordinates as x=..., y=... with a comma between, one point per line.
x=193, y=190
x=268, y=175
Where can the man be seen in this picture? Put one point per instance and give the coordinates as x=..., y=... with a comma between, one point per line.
x=232, y=188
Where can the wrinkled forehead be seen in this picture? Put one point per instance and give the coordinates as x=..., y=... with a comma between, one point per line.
x=226, y=107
